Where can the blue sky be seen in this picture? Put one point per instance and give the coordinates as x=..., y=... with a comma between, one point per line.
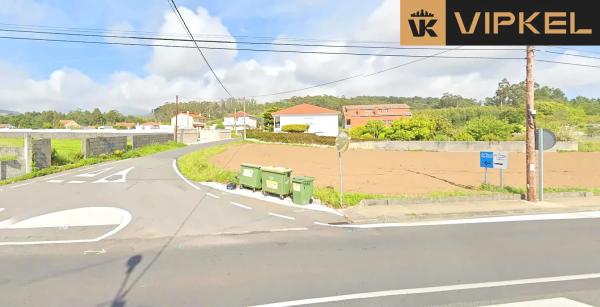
x=39, y=76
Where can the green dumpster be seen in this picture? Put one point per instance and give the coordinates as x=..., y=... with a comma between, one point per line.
x=302, y=189
x=250, y=176
x=276, y=180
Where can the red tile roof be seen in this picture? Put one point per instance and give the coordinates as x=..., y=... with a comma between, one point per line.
x=239, y=114
x=305, y=108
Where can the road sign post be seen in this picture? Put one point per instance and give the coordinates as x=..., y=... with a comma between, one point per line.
x=490, y=159
x=342, y=141
x=545, y=140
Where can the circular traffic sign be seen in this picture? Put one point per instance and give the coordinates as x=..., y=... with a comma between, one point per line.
x=342, y=141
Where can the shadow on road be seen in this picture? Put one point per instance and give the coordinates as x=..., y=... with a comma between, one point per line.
x=119, y=300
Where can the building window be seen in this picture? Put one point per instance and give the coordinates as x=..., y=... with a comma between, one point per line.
x=348, y=122
x=277, y=122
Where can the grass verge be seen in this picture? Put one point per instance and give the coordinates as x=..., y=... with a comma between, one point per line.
x=195, y=165
x=7, y=158
x=140, y=152
x=589, y=146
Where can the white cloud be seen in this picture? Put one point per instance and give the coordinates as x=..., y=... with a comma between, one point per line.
x=172, y=71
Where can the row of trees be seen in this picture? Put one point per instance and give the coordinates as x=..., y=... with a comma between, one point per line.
x=50, y=119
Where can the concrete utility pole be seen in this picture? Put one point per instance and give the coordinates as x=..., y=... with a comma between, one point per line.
x=176, y=115
x=530, y=126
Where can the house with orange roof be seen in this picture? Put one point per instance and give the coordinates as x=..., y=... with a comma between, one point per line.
x=359, y=115
x=320, y=121
x=69, y=124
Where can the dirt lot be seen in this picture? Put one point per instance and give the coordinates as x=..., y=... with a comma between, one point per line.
x=410, y=173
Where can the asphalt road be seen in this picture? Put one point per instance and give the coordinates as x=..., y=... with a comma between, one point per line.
x=134, y=233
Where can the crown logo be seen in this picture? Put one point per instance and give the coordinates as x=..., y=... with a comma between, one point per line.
x=421, y=13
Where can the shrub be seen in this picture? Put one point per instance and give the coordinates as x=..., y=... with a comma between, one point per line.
x=489, y=129
x=295, y=128
x=290, y=138
x=220, y=126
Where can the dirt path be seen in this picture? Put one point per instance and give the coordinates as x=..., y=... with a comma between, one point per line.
x=410, y=173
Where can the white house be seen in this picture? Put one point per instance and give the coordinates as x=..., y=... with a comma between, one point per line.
x=320, y=121
x=238, y=120
x=188, y=120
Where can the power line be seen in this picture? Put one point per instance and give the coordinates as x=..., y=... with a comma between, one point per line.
x=249, y=42
x=353, y=76
x=569, y=54
x=176, y=10
x=258, y=50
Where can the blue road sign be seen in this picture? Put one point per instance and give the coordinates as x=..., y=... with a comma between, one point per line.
x=486, y=159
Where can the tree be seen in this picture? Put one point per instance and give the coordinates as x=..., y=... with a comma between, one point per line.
x=113, y=116
x=455, y=101
x=375, y=128
x=268, y=118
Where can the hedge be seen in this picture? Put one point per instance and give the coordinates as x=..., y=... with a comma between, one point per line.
x=290, y=138
x=295, y=128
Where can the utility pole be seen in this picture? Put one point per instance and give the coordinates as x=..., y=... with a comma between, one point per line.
x=176, y=115
x=244, y=135
x=530, y=126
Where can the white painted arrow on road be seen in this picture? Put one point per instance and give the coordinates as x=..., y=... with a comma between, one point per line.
x=121, y=177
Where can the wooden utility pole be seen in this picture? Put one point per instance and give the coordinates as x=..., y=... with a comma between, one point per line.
x=530, y=128
x=176, y=116
x=244, y=135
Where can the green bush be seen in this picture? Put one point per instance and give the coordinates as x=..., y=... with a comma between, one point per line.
x=489, y=129
x=220, y=126
x=295, y=128
x=290, y=138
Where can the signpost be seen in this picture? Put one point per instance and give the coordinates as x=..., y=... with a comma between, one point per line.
x=545, y=140
x=490, y=159
x=342, y=141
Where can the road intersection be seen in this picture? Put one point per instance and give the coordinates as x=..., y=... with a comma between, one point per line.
x=134, y=233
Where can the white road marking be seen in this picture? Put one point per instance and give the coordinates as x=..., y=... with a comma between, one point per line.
x=553, y=302
x=212, y=195
x=282, y=216
x=95, y=173
x=122, y=177
x=482, y=220
x=55, y=181
x=367, y=295
x=181, y=176
x=288, y=229
x=21, y=185
x=99, y=252
x=241, y=206
x=76, y=181
x=87, y=216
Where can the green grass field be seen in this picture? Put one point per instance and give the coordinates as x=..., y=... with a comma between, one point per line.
x=11, y=142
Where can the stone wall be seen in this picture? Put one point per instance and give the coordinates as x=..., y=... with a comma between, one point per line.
x=9, y=169
x=42, y=152
x=104, y=145
x=187, y=136
x=215, y=134
x=511, y=146
x=143, y=140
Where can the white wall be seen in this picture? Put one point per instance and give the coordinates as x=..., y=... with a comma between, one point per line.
x=183, y=121
x=325, y=125
x=229, y=122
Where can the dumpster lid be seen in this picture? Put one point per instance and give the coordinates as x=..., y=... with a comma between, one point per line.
x=274, y=169
x=250, y=165
x=303, y=179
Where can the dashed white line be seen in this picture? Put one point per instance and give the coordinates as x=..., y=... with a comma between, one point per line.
x=241, y=206
x=55, y=181
x=76, y=181
x=212, y=195
x=288, y=229
x=282, y=216
x=459, y=287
